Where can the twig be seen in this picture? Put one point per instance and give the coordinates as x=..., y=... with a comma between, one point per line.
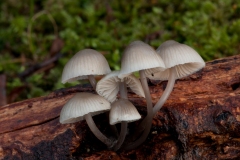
x=37, y=67
x=37, y=15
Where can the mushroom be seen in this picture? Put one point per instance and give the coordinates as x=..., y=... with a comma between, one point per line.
x=84, y=65
x=109, y=86
x=122, y=111
x=180, y=61
x=139, y=56
x=83, y=106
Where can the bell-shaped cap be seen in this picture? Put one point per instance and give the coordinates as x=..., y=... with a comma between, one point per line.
x=108, y=86
x=123, y=110
x=140, y=56
x=167, y=44
x=80, y=105
x=183, y=58
x=85, y=62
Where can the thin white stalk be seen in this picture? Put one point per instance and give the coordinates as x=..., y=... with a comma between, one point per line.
x=122, y=136
x=123, y=132
x=96, y=131
x=167, y=91
x=161, y=101
x=123, y=90
x=149, y=117
x=92, y=81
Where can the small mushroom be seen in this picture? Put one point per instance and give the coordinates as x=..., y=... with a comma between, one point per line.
x=122, y=111
x=83, y=106
x=84, y=65
x=139, y=56
x=109, y=85
x=180, y=61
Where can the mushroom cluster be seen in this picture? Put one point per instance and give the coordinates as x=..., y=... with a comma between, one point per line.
x=170, y=61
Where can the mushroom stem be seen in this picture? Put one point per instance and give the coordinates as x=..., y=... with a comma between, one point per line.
x=123, y=132
x=114, y=129
x=92, y=81
x=167, y=91
x=148, y=119
x=123, y=90
x=161, y=101
x=96, y=131
x=122, y=136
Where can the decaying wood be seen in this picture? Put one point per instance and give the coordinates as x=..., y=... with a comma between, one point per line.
x=200, y=120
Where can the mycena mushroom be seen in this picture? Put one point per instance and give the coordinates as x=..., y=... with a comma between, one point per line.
x=83, y=106
x=180, y=61
x=84, y=65
x=109, y=86
x=122, y=111
x=139, y=56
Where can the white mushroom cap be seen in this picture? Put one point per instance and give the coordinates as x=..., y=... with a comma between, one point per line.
x=140, y=56
x=123, y=110
x=184, y=58
x=85, y=62
x=167, y=44
x=82, y=104
x=134, y=84
x=108, y=86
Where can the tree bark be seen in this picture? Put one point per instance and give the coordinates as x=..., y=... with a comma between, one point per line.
x=200, y=120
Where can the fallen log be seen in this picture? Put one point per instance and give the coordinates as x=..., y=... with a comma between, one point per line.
x=200, y=120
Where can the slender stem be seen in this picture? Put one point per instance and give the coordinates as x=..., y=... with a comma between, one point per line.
x=160, y=102
x=123, y=90
x=122, y=136
x=96, y=131
x=167, y=91
x=149, y=117
x=112, y=127
x=92, y=80
x=114, y=130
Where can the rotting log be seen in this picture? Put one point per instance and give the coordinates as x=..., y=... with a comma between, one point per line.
x=200, y=120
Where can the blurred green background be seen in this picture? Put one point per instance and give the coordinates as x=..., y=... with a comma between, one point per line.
x=33, y=31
